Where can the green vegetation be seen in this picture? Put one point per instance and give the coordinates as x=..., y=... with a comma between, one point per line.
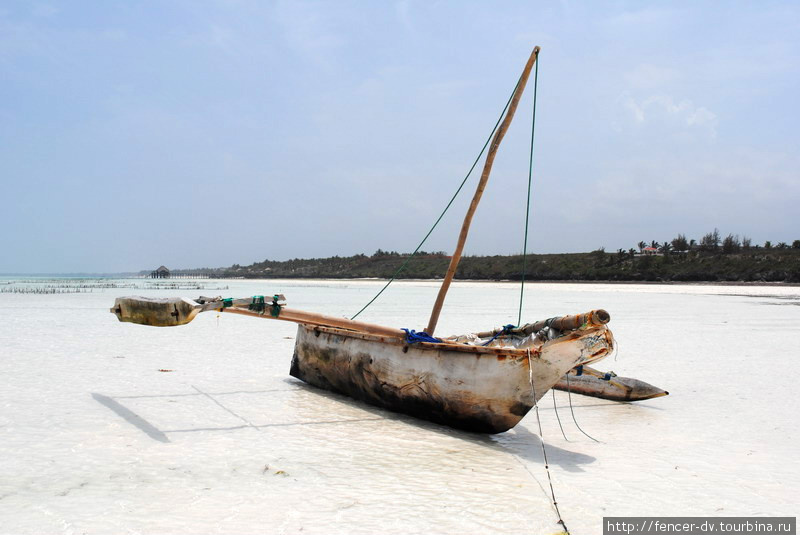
x=712, y=259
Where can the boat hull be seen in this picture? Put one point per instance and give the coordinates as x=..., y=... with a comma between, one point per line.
x=481, y=389
x=614, y=388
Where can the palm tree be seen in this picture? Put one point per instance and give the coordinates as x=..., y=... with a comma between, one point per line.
x=680, y=243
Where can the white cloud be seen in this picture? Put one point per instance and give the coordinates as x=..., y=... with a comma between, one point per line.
x=742, y=190
x=703, y=118
x=665, y=112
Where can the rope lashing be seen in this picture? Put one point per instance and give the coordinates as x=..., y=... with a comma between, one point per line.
x=275, y=308
x=506, y=330
x=258, y=304
x=606, y=376
x=412, y=337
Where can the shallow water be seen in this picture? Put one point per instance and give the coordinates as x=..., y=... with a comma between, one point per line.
x=94, y=438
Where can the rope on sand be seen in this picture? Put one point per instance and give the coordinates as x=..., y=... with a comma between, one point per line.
x=544, y=451
x=555, y=409
x=569, y=395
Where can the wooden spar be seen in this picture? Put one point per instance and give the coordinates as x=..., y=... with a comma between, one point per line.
x=314, y=319
x=487, y=168
x=171, y=312
x=569, y=323
x=564, y=323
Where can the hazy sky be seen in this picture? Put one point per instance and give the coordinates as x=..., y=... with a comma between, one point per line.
x=190, y=134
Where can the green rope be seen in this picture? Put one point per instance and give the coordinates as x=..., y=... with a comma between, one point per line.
x=275, y=308
x=528, y=206
x=453, y=198
x=258, y=304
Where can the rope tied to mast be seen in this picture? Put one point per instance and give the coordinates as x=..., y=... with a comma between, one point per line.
x=452, y=199
x=530, y=181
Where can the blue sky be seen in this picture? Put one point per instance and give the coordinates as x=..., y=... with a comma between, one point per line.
x=134, y=134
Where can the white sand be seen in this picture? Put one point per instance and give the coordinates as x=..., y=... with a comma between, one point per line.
x=94, y=439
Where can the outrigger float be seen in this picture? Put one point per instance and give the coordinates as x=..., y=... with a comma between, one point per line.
x=607, y=385
x=485, y=382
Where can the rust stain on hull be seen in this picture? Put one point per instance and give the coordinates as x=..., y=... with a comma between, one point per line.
x=482, y=390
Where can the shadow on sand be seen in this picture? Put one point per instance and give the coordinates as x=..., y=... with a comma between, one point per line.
x=520, y=441
x=131, y=417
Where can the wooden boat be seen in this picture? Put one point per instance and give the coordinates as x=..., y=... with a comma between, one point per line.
x=463, y=384
x=486, y=383
x=472, y=387
x=607, y=385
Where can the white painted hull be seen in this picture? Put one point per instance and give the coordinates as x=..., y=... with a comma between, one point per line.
x=483, y=389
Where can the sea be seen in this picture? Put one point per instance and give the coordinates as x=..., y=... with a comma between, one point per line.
x=109, y=427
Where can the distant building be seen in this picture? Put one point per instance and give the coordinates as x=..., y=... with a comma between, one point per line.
x=650, y=250
x=160, y=273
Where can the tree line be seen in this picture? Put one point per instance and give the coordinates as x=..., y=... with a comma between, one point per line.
x=712, y=258
x=711, y=242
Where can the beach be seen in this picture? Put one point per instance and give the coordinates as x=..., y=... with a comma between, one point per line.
x=109, y=427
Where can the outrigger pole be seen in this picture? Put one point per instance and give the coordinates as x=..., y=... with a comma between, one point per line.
x=172, y=311
x=487, y=168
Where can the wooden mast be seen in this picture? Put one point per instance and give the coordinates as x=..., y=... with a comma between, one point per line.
x=487, y=168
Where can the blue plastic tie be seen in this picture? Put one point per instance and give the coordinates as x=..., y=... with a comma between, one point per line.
x=506, y=329
x=412, y=337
